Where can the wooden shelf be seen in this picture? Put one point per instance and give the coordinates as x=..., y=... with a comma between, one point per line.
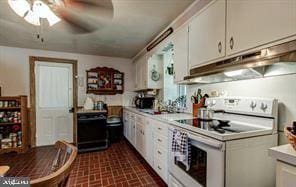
x=109, y=81
x=23, y=109
x=10, y=123
x=10, y=108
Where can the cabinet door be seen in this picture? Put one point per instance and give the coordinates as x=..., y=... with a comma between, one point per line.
x=140, y=140
x=125, y=124
x=207, y=34
x=154, y=63
x=132, y=132
x=149, y=148
x=138, y=75
x=180, y=56
x=285, y=175
x=253, y=23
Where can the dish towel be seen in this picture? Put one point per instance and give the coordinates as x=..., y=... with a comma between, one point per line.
x=181, y=148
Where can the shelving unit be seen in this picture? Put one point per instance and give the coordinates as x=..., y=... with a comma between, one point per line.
x=13, y=124
x=105, y=81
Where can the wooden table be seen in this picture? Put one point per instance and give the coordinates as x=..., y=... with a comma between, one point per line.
x=3, y=170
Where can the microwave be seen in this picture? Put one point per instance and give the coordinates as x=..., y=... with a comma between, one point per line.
x=144, y=102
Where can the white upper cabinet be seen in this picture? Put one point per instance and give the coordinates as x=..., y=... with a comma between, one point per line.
x=154, y=71
x=207, y=34
x=253, y=23
x=145, y=66
x=180, y=56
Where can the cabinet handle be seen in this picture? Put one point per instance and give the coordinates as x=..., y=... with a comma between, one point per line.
x=231, y=43
x=159, y=140
x=220, y=47
x=159, y=167
x=159, y=128
x=159, y=152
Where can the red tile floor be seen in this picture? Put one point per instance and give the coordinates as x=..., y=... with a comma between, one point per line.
x=120, y=165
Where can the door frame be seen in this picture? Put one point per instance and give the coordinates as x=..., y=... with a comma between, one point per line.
x=32, y=62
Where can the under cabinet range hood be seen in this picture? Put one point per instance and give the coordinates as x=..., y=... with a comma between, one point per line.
x=272, y=61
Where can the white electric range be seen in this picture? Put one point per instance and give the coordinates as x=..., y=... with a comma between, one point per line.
x=232, y=151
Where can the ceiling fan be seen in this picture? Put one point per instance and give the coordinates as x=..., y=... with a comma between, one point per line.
x=80, y=16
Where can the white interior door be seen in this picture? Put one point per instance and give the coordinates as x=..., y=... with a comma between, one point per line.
x=54, y=98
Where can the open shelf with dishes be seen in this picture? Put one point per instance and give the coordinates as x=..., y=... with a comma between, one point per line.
x=13, y=124
x=105, y=81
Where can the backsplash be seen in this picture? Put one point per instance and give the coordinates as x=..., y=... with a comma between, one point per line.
x=282, y=88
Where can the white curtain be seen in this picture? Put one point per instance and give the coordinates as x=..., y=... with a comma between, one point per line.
x=53, y=86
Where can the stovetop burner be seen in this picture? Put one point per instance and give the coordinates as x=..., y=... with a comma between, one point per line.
x=219, y=126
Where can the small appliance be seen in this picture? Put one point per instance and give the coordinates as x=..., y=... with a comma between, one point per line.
x=144, y=102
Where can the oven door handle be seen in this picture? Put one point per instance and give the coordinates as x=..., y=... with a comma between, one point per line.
x=206, y=141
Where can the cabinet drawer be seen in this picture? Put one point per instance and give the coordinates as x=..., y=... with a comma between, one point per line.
x=161, y=128
x=160, y=154
x=161, y=169
x=140, y=119
x=160, y=140
x=132, y=116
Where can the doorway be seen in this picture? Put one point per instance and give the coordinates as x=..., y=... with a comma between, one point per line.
x=53, y=99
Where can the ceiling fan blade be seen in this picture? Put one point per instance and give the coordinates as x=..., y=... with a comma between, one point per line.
x=77, y=23
x=86, y=16
x=96, y=8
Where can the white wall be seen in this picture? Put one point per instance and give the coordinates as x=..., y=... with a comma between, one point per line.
x=14, y=72
x=282, y=88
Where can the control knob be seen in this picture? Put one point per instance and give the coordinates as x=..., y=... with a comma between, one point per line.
x=253, y=105
x=263, y=107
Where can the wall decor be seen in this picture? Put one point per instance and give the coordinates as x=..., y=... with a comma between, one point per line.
x=104, y=81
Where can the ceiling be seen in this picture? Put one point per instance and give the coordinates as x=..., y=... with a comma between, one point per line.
x=134, y=25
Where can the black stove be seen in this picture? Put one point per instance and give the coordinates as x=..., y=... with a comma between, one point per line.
x=219, y=126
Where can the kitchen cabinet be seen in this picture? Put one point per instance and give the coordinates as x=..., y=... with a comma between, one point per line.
x=285, y=175
x=144, y=137
x=160, y=156
x=140, y=138
x=253, y=23
x=207, y=34
x=285, y=156
x=126, y=124
x=132, y=129
x=140, y=82
x=148, y=139
x=145, y=65
x=180, y=55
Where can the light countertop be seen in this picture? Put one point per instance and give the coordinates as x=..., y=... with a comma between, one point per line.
x=284, y=153
x=81, y=110
x=170, y=119
x=162, y=117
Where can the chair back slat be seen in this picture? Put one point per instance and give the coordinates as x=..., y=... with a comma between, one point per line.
x=61, y=167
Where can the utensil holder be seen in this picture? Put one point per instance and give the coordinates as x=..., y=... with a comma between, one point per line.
x=290, y=136
x=196, y=106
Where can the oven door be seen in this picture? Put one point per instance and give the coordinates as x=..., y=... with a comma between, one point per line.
x=207, y=162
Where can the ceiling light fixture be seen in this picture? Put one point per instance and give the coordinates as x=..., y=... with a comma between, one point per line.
x=33, y=11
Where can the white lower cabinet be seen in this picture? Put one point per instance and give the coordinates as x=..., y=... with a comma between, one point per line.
x=149, y=137
x=161, y=149
x=173, y=182
x=285, y=175
x=148, y=142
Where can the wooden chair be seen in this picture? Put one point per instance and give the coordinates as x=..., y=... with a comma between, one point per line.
x=61, y=167
x=3, y=170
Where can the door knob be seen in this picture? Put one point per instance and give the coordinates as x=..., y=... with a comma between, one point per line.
x=71, y=110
